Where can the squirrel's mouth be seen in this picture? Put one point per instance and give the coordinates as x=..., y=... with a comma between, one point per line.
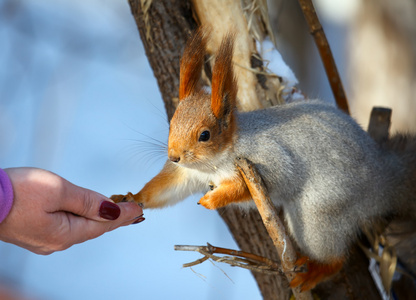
x=198, y=165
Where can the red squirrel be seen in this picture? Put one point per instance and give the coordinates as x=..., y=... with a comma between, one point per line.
x=329, y=177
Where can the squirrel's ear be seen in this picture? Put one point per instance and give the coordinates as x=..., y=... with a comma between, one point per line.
x=192, y=62
x=224, y=85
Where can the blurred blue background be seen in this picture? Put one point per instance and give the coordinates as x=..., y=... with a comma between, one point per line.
x=77, y=97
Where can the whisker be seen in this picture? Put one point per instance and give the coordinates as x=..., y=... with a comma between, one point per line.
x=154, y=140
x=145, y=152
x=160, y=113
x=155, y=144
x=146, y=135
x=203, y=162
x=146, y=159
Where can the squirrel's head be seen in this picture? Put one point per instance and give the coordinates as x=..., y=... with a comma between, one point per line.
x=204, y=124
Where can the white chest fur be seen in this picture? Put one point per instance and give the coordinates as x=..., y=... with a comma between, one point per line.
x=221, y=168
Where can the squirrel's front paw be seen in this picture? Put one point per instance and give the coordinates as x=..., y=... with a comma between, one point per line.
x=209, y=202
x=123, y=198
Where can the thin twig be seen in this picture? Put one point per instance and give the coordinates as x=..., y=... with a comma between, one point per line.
x=321, y=42
x=235, y=258
x=248, y=256
x=257, y=71
x=271, y=221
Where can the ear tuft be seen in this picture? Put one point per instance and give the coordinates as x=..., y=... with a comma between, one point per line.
x=224, y=86
x=192, y=62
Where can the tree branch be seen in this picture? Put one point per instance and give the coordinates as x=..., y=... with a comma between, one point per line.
x=235, y=258
x=271, y=221
x=321, y=42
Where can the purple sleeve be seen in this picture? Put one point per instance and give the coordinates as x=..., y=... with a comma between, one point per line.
x=6, y=195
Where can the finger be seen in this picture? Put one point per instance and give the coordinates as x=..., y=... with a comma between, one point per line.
x=94, y=206
x=136, y=220
x=88, y=204
x=130, y=212
x=83, y=229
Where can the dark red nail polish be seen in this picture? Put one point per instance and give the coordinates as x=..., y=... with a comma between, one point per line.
x=109, y=210
x=139, y=220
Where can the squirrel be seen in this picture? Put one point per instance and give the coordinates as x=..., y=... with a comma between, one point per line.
x=326, y=173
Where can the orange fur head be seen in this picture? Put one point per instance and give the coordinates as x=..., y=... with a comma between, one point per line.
x=204, y=126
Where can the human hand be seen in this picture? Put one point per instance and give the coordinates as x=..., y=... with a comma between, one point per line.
x=51, y=214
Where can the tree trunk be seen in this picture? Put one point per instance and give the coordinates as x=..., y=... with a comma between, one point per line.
x=164, y=27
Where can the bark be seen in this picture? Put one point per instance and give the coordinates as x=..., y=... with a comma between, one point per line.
x=164, y=26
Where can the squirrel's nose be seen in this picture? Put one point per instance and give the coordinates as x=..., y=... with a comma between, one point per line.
x=174, y=155
x=174, y=158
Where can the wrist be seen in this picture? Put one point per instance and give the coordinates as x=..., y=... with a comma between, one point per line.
x=6, y=195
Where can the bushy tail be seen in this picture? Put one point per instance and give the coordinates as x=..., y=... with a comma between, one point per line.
x=404, y=146
x=401, y=143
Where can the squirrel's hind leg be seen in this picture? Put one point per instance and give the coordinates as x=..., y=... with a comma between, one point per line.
x=316, y=273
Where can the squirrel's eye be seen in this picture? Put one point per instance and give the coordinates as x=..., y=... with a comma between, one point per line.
x=205, y=135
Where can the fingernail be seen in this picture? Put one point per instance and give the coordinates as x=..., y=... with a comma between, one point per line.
x=109, y=210
x=139, y=220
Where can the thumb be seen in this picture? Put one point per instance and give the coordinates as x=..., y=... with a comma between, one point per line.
x=89, y=204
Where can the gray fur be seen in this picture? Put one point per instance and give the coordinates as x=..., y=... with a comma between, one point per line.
x=326, y=173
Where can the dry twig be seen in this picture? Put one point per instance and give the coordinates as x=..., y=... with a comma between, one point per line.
x=235, y=258
x=271, y=221
x=321, y=42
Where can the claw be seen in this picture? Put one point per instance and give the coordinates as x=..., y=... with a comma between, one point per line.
x=315, y=274
x=123, y=198
x=211, y=186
